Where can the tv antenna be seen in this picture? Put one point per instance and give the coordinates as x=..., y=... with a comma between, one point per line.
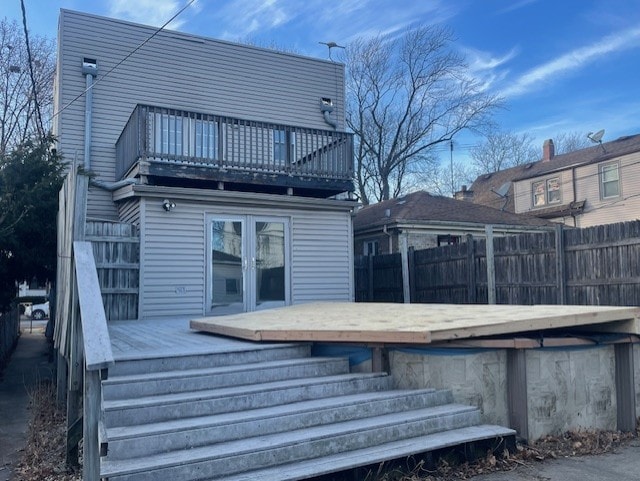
x=596, y=138
x=331, y=45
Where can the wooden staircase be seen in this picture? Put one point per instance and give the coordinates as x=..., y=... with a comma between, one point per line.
x=267, y=412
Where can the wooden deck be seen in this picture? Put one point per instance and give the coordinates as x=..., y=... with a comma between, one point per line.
x=413, y=323
x=164, y=338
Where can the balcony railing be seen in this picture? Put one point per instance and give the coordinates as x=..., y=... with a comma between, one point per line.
x=179, y=137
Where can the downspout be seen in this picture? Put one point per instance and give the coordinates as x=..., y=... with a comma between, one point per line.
x=90, y=71
x=326, y=107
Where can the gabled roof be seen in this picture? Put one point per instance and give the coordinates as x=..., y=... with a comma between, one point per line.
x=597, y=153
x=421, y=208
x=485, y=186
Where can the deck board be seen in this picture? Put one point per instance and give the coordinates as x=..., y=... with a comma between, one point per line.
x=413, y=323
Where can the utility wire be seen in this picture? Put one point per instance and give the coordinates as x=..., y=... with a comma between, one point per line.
x=39, y=125
x=55, y=114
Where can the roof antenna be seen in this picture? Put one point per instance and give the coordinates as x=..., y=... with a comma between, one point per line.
x=331, y=45
x=597, y=138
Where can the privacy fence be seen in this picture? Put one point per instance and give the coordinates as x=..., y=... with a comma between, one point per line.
x=9, y=332
x=593, y=266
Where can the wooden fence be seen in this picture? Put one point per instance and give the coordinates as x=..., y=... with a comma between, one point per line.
x=593, y=266
x=116, y=248
x=9, y=333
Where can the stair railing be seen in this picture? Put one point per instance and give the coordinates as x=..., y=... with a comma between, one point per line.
x=94, y=354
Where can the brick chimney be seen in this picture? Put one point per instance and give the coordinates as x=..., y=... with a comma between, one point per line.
x=463, y=194
x=548, y=150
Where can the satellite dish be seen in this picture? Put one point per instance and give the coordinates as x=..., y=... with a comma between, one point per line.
x=502, y=191
x=597, y=137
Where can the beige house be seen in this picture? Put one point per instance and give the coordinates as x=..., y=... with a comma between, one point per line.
x=592, y=186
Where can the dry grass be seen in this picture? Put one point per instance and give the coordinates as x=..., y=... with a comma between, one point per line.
x=43, y=458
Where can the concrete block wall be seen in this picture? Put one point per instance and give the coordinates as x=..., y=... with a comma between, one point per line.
x=567, y=388
x=476, y=378
x=570, y=389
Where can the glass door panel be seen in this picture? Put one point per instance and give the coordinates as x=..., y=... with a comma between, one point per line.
x=227, y=267
x=270, y=254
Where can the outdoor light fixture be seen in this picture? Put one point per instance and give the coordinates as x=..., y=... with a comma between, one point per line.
x=168, y=205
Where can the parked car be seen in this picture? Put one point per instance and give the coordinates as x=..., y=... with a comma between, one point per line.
x=40, y=311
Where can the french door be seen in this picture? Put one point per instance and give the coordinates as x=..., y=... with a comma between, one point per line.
x=248, y=263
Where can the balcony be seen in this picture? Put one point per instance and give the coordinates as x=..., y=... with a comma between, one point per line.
x=179, y=148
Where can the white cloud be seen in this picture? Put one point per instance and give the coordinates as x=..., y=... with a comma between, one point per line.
x=573, y=60
x=246, y=17
x=486, y=68
x=148, y=12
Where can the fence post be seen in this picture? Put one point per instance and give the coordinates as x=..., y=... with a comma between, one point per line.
x=370, y=278
x=560, y=275
x=491, y=266
x=404, y=253
x=471, y=270
x=412, y=275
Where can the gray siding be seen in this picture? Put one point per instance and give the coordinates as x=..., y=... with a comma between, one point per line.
x=179, y=71
x=173, y=255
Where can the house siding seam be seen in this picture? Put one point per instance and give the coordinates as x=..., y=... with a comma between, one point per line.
x=215, y=77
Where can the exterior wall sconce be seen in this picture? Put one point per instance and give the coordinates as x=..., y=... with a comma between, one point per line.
x=168, y=205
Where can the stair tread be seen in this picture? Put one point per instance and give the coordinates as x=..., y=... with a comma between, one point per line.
x=181, y=374
x=376, y=454
x=122, y=432
x=280, y=440
x=213, y=349
x=163, y=399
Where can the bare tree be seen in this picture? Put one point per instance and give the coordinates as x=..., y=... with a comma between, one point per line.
x=18, y=117
x=406, y=95
x=570, y=141
x=502, y=150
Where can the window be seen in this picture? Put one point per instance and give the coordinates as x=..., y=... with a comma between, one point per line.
x=370, y=248
x=546, y=192
x=281, y=141
x=609, y=181
x=279, y=146
x=175, y=135
x=448, y=240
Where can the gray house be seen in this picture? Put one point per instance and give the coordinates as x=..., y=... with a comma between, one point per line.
x=230, y=160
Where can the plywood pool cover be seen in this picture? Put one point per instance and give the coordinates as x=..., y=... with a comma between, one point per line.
x=413, y=323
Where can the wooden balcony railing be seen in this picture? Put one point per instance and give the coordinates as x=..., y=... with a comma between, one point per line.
x=189, y=138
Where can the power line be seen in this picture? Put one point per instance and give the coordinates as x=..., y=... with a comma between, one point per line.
x=39, y=125
x=147, y=40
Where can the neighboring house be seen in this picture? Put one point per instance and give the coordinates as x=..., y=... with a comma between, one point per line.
x=429, y=221
x=592, y=186
x=230, y=159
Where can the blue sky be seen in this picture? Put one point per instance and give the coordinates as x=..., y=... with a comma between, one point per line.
x=562, y=66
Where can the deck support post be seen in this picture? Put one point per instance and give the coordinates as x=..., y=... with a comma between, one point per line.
x=380, y=359
x=404, y=253
x=61, y=378
x=517, y=391
x=625, y=387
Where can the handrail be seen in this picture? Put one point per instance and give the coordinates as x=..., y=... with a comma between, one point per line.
x=208, y=140
x=97, y=344
x=95, y=350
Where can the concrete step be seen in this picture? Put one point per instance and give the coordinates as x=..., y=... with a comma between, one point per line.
x=242, y=354
x=149, y=439
x=243, y=455
x=157, y=383
x=374, y=455
x=151, y=409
